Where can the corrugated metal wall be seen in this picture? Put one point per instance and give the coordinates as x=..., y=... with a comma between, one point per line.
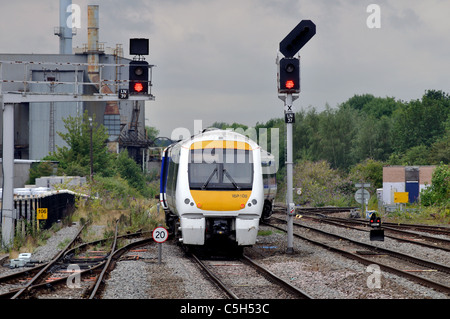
x=40, y=128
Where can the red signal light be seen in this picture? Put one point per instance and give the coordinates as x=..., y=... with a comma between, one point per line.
x=138, y=87
x=289, y=84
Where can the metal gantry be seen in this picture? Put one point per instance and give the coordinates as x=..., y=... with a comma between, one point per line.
x=23, y=94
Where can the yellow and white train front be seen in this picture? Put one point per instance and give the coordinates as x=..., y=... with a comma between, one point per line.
x=220, y=193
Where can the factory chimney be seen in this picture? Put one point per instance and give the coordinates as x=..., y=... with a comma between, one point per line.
x=65, y=31
x=112, y=113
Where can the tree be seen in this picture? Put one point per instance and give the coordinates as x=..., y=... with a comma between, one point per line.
x=76, y=156
x=372, y=106
x=224, y=126
x=336, y=130
x=368, y=171
x=439, y=191
x=321, y=185
x=440, y=150
x=358, y=102
x=421, y=122
x=372, y=138
x=41, y=169
x=151, y=133
x=130, y=171
x=416, y=155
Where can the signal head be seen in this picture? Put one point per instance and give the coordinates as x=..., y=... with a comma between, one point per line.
x=289, y=75
x=138, y=87
x=138, y=77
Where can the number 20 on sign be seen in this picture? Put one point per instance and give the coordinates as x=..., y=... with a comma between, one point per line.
x=160, y=234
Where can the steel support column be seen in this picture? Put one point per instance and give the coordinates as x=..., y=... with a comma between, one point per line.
x=289, y=178
x=8, y=175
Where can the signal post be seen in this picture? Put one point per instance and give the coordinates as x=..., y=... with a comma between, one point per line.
x=288, y=90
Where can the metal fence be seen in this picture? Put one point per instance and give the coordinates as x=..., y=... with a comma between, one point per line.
x=59, y=204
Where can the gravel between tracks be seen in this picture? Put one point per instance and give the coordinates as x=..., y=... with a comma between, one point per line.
x=52, y=247
x=175, y=278
x=326, y=275
x=435, y=255
x=318, y=272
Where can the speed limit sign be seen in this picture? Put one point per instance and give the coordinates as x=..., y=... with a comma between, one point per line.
x=160, y=234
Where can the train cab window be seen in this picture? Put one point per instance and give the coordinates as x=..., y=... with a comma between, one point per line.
x=229, y=169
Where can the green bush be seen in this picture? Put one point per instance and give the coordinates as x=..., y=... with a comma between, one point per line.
x=115, y=187
x=438, y=193
x=321, y=185
x=130, y=171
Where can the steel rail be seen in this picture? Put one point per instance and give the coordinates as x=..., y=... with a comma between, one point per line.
x=22, y=291
x=260, y=269
x=58, y=281
x=267, y=273
x=343, y=222
x=65, y=257
x=326, y=210
x=99, y=280
x=425, y=228
x=422, y=280
x=111, y=261
x=216, y=279
x=413, y=259
x=21, y=273
x=35, y=269
x=101, y=241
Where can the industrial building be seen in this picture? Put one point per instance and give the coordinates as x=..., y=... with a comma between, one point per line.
x=91, y=69
x=405, y=179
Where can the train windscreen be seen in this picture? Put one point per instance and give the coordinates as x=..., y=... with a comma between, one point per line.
x=220, y=169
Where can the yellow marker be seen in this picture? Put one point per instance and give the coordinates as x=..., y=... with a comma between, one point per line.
x=42, y=213
x=401, y=197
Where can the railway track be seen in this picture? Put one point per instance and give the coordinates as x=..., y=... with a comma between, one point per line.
x=279, y=207
x=244, y=278
x=422, y=228
x=427, y=273
x=397, y=233
x=40, y=273
x=73, y=267
x=327, y=211
x=97, y=289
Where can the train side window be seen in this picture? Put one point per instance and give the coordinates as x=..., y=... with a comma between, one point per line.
x=170, y=179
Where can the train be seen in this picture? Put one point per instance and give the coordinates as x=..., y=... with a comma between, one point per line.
x=215, y=187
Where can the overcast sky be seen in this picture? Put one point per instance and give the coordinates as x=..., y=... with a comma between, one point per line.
x=216, y=58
